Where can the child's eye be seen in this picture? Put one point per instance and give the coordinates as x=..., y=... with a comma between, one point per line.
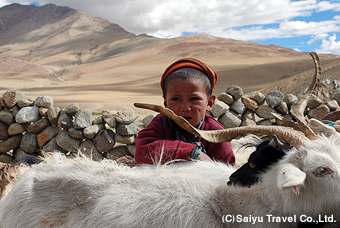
x=175, y=99
x=194, y=98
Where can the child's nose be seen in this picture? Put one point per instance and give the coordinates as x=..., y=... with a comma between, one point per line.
x=185, y=106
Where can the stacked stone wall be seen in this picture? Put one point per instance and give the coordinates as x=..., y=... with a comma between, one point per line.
x=29, y=127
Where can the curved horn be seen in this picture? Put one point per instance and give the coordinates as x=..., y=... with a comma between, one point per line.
x=293, y=137
x=298, y=109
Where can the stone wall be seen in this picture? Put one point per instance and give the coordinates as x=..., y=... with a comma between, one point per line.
x=29, y=126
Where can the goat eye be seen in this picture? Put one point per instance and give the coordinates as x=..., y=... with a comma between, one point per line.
x=252, y=165
x=322, y=171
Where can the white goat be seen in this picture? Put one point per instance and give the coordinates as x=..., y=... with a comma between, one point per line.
x=83, y=193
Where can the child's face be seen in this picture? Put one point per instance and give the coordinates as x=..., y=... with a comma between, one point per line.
x=188, y=98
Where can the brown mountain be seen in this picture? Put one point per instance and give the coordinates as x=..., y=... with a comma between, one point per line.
x=75, y=57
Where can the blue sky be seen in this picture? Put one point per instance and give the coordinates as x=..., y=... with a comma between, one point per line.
x=309, y=25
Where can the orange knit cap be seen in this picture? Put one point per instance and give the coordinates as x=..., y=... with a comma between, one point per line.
x=193, y=63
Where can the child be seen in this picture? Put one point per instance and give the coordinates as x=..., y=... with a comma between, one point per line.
x=187, y=87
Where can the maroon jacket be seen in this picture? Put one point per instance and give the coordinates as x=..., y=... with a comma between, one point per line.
x=160, y=135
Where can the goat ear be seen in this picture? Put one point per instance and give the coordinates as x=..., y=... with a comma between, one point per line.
x=321, y=128
x=290, y=176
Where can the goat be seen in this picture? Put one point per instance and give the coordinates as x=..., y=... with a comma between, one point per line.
x=267, y=153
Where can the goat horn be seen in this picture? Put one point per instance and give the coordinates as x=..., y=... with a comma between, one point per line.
x=298, y=109
x=291, y=136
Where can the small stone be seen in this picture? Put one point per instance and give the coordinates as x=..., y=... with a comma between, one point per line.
x=66, y=142
x=109, y=117
x=218, y=108
x=230, y=120
x=99, y=120
x=128, y=129
x=53, y=115
x=290, y=99
x=47, y=134
x=235, y=91
x=17, y=128
x=43, y=112
x=38, y=126
x=274, y=98
x=126, y=116
x=226, y=98
x=104, y=140
x=11, y=97
x=313, y=102
x=130, y=139
x=28, y=114
x=250, y=103
x=6, y=116
x=264, y=111
x=88, y=149
x=238, y=107
x=147, y=120
x=15, y=109
x=44, y=101
x=319, y=112
x=127, y=160
x=10, y=143
x=72, y=109
x=77, y=134
x=83, y=119
x=29, y=143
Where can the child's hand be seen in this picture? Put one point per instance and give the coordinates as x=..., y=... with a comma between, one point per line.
x=204, y=157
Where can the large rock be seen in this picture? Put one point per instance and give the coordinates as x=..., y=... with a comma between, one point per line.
x=11, y=97
x=47, y=134
x=319, y=112
x=72, y=109
x=17, y=128
x=66, y=142
x=230, y=120
x=117, y=152
x=264, y=111
x=91, y=131
x=28, y=114
x=77, y=134
x=238, y=107
x=25, y=102
x=65, y=120
x=10, y=143
x=44, y=101
x=53, y=115
x=3, y=131
x=130, y=139
x=83, y=119
x=52, y=146
x=7, y=117
x=38, y=126
x=313, y=101
x=250, y=103
x=147, y=120
x=29, y=143
x=88, y=149
x=218, y=108
x=126, y=116
x=235, y=91
x=109, y=117
x=290, y=99
x=104, y=140
x=226, y=98
x=128, y=129
x=274, y=98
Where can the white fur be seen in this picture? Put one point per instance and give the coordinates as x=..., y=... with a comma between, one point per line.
x=82, y=193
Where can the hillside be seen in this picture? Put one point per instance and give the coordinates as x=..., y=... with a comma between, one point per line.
x=75, y=57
